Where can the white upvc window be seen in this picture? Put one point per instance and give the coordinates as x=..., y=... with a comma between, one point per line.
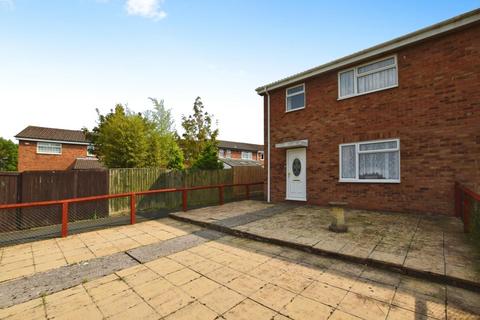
x=370, y=161
x=295, y=98
x=90, y=150
x=229, y=154
x=374, y=76
x=221, y=153
x=49, y=148
x=246, y=155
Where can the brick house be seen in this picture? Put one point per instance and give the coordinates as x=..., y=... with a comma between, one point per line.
x=42, y=148
x=391, y=127
x=240, y=150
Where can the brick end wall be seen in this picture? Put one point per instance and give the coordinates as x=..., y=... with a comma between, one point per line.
x=29, y=160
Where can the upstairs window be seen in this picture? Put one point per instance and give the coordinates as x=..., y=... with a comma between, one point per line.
x=49, y=148
x=375, y=161
x=90, y=150
x=229, y=154
x=221, y=153
x=371, y=77
x=246, y=155
x=295, y=98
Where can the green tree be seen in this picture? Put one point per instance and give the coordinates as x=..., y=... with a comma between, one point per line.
x=208, y=159
x=124, y=139
x=198, y=132
x=169, y=154
x=176, y=159
x=8, y=155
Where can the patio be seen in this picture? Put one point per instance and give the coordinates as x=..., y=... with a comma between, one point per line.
x=418, y=244
x=237, y=279
x=167, y=269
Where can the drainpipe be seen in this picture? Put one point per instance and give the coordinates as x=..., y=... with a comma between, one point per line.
x=268, y=144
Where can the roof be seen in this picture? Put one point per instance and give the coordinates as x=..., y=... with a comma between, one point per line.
x=52, y=134
x=383, y=48
x=239, y=145
x=87, y=164
x=241, y=163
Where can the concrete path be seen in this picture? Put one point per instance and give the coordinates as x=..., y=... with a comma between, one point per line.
x=427, y=246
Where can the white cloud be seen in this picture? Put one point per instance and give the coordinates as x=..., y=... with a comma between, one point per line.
x=145, y=8
x=7, y=4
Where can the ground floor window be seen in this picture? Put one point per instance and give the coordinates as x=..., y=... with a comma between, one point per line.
x=372, y=161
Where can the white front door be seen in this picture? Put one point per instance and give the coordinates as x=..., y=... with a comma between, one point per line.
x=297, y=174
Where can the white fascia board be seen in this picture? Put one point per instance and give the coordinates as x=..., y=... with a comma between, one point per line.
x=53, y=141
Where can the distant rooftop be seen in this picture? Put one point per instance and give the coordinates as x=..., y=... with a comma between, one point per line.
x=54, y=134
x=87, y=164
x=239, y=145
x=240, y=163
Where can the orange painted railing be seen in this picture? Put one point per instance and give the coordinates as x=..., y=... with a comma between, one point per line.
x=465, y=202
x=132, y=195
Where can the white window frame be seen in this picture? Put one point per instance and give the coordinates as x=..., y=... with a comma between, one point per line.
x=356, y=76
x=357, y=160
x=221, y=153
x=247, y=152
x=228, y=154
x=90, y=154
x=49, y=144
x=295, y=94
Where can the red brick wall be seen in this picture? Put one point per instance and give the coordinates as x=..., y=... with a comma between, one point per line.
x=236, y=154
x=435, y=112
x=29, y=160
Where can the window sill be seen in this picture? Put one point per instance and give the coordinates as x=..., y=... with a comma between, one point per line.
x=298, y=109
x=368, y=181
x=365, y=93
x=49, y=154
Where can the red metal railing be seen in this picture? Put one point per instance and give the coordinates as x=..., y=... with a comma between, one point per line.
x=466, y=202
x=64, y=204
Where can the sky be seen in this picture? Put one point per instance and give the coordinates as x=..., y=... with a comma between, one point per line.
x=62, y=59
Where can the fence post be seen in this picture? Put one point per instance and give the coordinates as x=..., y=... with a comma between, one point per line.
x=133, y=211
x=466, y=215
x=247, y=191
x=64, y=219
x=184, y=199
x=220, y=195
x=458, y=200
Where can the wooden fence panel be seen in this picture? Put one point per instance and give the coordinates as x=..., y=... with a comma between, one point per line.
x=128, y=180
x=196, y=178
x=9, y=193
x=248, y=175
x=132, y=179
x=9, y=185
x=36, y=186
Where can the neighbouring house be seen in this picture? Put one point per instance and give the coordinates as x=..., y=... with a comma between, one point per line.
x=42, y=148
x=240, y=150
x=391, y=127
